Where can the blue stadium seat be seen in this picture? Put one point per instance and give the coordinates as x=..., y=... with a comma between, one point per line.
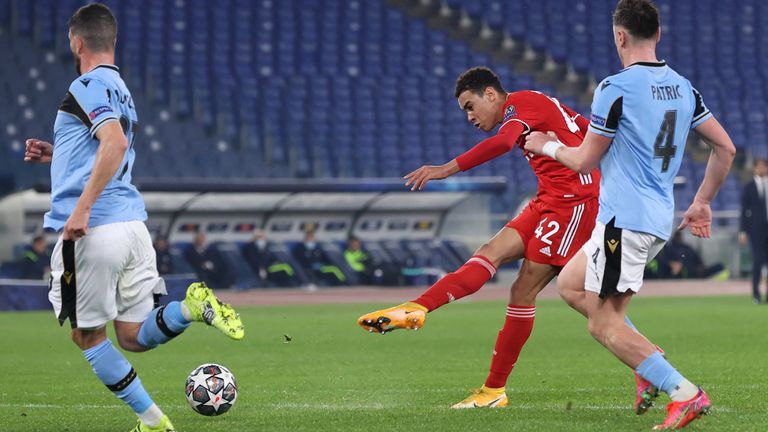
x=180, y=264
x=335, y=88
x=236, y=265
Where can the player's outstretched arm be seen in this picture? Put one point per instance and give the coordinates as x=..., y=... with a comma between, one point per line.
x=419, y=178
x=699, y=215
x=583, y=159
x=38, y=151
x=482, y=152
x=109, y=157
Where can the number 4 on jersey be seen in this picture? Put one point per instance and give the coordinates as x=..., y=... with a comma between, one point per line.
x=665, y=148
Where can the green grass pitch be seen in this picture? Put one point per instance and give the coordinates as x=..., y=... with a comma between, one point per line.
x=332, y=376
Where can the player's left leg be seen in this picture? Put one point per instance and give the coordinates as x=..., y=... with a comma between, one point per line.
x=117, y=374
x=607, y=326
x=615, y=276
x=506, y=246
x=533, y=277
x=571, y=286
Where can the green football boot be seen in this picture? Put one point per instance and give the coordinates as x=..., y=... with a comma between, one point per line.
x=164, y=426
x=205, y=307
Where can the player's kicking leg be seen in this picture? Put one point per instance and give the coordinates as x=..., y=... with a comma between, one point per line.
x=505, y=246
x=161, y=325
x=166, y=322
x=533, y=277
x=200, y=305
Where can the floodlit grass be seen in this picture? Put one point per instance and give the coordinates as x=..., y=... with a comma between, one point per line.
x=332, y=376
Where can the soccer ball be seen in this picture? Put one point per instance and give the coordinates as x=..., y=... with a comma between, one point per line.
x=211, y=389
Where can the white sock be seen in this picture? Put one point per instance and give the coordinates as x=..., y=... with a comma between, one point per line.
x=686, y=390
x=185, y=311
x=152, y=416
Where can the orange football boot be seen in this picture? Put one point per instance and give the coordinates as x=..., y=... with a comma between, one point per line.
x=408, y=315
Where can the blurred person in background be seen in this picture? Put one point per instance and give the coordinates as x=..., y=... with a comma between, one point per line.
x=754, y=223
x=207, y=263
x=683, y=262
x=268, y=268
x=36, y=261
x=314, y=261
x=163, y=256
x=358, y=260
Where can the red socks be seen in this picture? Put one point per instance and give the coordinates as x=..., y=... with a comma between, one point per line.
x=517, y=327
x=512, y=337
x=466, y=280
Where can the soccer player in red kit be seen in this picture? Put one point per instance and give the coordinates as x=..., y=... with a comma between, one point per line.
x=547, y=233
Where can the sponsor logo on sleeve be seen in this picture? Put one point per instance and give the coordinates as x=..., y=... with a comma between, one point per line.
x=98, y=111
x=596, y=119
x=509, y=112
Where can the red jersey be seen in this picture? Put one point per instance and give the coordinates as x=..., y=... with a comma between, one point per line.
x=527, y=111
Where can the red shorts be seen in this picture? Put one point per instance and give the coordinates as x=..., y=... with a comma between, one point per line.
x=552, y=235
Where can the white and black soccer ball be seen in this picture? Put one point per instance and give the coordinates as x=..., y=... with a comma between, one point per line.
x=211, y=389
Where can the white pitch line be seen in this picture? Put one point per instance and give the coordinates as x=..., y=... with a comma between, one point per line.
x=76, y=406
x=362, y=406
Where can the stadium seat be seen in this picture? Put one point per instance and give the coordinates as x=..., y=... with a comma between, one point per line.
x=332, y=88
x=237, y=267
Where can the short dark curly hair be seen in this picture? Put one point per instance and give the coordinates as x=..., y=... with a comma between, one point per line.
x=639, y=17
x=477, y=80
x=96, y=25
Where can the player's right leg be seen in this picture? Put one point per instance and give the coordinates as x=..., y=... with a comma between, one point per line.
x=141, y=332
x=552, y=234
x=205, y=307
x=505, y=246
x=138, y=326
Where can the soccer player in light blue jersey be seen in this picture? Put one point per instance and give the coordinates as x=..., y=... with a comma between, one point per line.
x=640, y=122
x=103, y=265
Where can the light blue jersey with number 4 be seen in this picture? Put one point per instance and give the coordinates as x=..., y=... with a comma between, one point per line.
x=94, y=99
x=648, y=109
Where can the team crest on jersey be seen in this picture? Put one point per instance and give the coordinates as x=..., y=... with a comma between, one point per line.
x=509, y=112
x=596, y=119
x=100, y=110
